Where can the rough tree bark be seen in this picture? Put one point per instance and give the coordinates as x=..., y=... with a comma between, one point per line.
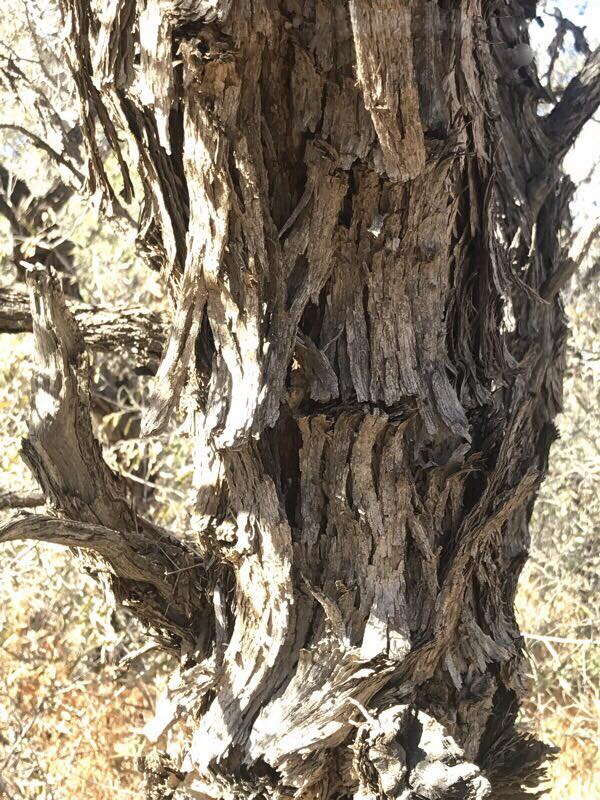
x=358, y=213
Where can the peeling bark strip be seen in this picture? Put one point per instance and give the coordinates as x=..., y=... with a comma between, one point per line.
x=384, y=66
x=93, y=109
x=113, y=56
x=205, y=159
x=343, y=199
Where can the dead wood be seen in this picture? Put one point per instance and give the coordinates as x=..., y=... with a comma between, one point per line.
x=345, y=200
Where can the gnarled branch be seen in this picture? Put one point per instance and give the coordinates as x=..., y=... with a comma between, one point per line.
x=163, y=580
x=135, y=331
x=124, y=552
x=579, y=101
x=30, y=499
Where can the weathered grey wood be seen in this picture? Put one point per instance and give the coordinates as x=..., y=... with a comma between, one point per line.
x=66, y=460
x=343, y=200
x=134, y=331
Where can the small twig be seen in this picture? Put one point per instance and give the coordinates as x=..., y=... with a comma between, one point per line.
x=559, y=639
x=42, y=145
x=174, y=492
x=185, y=569
x=368, y=717
x=145, y=648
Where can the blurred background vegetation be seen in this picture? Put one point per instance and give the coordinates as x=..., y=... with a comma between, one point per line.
x=72, y=706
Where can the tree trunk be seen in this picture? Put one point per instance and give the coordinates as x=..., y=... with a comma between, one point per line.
x=358, y=214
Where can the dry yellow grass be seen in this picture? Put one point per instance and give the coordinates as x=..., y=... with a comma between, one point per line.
x=69, y=719
x=67, y=729
x=559, y=590
x=564, y=706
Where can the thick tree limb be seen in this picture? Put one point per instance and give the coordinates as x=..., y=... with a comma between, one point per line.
x=15, y=314
x=136, y=332
x=124, y=552
x=141, y=334
x=30, y=499
x=578, y=103
x=159, y=577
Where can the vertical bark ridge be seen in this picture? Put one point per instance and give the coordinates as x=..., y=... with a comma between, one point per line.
x=254, y=663
x=79, y=15
x=384, y=67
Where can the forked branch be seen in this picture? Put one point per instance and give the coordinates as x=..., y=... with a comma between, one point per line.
x=161, y=579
